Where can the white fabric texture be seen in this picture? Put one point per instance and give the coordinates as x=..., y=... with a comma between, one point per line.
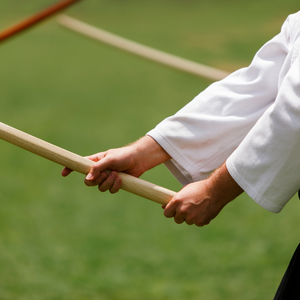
x=251, y=119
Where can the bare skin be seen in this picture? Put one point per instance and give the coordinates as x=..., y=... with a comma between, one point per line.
x=134, y=159
x=197, y=203
x=200, y=202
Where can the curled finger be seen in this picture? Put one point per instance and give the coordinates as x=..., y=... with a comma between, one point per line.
x=189, y=221
x=108, y=183
x=93, y=180
x=116, y=186
x=66, y=171
x=170, y=210
x=179, y=218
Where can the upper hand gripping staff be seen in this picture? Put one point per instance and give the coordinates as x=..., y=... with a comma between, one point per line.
x=80, y=164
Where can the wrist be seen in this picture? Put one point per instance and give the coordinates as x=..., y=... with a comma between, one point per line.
x=223, y=186
x=149, y=153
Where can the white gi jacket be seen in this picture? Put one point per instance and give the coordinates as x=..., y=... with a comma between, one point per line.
x=251, y=119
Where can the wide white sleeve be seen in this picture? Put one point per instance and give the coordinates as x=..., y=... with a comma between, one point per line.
x=204, y=133
x=267, y=162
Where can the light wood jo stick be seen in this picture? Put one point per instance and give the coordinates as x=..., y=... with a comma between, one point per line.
x=142, y=50
x=80, y=164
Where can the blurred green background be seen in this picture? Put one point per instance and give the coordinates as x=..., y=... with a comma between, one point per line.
x=62, y=240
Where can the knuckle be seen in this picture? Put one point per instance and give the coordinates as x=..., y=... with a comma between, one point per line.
x=113, y=175
x=101, y=188
x=199, y=224
x=168, y=213
x=119, y=181
x=185, y=210
x=176, y=201
x=95, y=168
x=178, y=220
x=189, y=223
x=108, y=181
x=189, y=220
x=111, y=162
x=202, y=223
x=116, y=186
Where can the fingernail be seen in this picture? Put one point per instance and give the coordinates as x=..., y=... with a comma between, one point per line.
x=89, y=176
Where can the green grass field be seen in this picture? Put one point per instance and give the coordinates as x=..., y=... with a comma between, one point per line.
x=60, y=240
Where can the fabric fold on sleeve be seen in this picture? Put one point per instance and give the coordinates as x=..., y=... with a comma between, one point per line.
x=205, y=132
x=266, y=164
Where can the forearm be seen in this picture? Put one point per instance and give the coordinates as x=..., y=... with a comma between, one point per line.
x=222, y=187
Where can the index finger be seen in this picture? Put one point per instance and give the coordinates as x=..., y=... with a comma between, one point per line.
x=170, y=209
x=66, y=171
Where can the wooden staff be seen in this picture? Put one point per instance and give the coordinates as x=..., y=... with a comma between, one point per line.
x=33, y=20
x=82, y=165
x=141, y=50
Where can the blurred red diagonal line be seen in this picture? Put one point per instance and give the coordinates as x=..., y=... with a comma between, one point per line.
x=35, y=19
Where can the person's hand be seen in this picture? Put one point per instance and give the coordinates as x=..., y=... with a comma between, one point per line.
x=120, y=160
x=200, y=202
x=134, y=159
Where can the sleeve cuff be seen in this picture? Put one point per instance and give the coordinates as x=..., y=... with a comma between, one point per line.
x=247, y=188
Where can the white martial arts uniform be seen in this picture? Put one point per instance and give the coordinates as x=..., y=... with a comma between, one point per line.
x=251, y=118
